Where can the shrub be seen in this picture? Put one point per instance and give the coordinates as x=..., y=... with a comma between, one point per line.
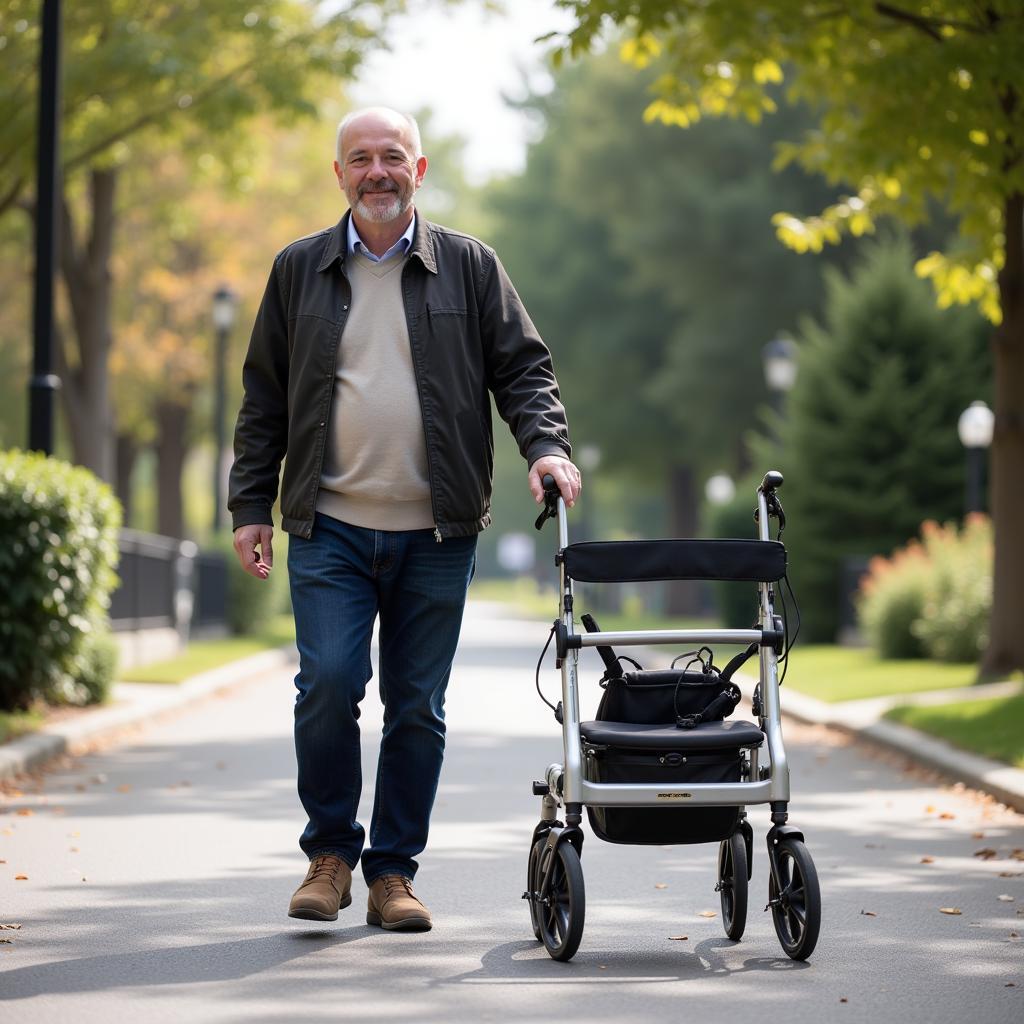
x=933, y=597
x=59, y=526
x=891, y=601
x=953, y=625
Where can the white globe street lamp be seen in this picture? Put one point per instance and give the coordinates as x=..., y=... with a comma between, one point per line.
x=975, y=428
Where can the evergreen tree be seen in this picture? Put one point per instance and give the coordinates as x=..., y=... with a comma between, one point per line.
x=869, y=443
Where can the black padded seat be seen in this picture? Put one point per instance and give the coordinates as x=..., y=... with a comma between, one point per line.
x=707, y=736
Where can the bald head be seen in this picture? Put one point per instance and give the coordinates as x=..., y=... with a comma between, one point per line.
x=404, y=123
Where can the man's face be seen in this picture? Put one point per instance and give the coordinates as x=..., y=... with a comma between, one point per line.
x=379, y=173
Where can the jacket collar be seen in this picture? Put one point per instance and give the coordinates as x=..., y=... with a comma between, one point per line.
x=336, y=244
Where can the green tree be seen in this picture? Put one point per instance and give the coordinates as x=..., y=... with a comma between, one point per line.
x=139, y=79
x=648, y=260
x=869, y=444
x=913, y=101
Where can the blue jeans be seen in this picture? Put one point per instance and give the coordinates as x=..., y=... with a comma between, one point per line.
x=341, y=579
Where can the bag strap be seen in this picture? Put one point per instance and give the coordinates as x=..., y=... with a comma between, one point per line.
x=719, y=708
x=739, y=660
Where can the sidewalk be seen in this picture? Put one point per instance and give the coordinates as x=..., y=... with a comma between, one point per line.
x=132, y=706
x=135, y=705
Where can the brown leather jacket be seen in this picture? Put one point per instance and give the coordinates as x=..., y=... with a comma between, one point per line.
x=470, y=335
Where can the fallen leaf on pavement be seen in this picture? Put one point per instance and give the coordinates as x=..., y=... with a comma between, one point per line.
x=843, y=999
x=125, y=788
x=1005, y=898
x=1014, y=935
x=1010, y=984
x=977, y=835
x=660, y=885
x=678, y=938
x=25, y=812
x=986, y=853
x=98, y=779
x=929, y=809
x=72, y=849
x=869, y=913
x=21, y=878
x=950, y=910
x=707, y=913
x=12, y=927
x=7, y=942
x=80, y=788
x=1002, y=874
x=927, y=860
x=946, y=816
x=1017, y=855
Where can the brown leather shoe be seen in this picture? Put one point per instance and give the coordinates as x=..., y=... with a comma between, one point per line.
x=392, y=905
x=326, y=890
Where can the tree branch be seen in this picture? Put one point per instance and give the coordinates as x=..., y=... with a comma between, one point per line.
x=930, y=26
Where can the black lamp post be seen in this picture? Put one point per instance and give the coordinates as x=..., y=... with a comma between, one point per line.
x=223, y=321
x=44, y=383
x=975, y=429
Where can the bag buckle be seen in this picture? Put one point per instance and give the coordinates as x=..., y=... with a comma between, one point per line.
x=689, y=721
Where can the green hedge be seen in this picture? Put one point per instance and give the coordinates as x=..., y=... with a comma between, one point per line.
x=59, y=526
x=933, y=597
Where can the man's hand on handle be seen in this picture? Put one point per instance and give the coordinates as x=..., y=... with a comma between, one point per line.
x=247, y=540
x=566, y=475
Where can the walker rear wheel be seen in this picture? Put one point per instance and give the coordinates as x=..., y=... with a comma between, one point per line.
x=796, y=904
x=732, y=884
x=562, y=902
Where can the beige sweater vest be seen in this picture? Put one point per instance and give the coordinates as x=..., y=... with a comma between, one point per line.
x=375, y=465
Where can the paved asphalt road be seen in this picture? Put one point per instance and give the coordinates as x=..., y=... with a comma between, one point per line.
x=159, y=871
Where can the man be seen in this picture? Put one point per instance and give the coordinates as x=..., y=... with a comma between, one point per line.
x=370, y=363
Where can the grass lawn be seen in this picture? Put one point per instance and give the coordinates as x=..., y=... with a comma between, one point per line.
x=992, y=727
x=201, y=655
x=833, y=673
x=17, y=723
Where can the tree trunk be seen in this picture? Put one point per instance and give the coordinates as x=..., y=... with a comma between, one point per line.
x=682, y=597
x=1006, y=636
x=127, y=450
x=171, y=449
x=88, y=278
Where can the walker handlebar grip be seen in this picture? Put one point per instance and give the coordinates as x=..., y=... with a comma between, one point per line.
x=550, y=500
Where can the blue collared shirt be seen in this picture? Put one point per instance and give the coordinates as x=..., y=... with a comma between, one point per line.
x=356, y=244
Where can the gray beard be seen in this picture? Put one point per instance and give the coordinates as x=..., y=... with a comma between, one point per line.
x=385, y=214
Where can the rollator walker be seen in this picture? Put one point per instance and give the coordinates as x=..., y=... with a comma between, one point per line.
x=660, y=764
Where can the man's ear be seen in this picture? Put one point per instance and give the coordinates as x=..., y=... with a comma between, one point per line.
x=421, y=170
x=340, y=175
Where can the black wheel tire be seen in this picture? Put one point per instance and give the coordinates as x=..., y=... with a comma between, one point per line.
x=561, y=916
x=796, y=910
x=732, y=884
x=533, y=884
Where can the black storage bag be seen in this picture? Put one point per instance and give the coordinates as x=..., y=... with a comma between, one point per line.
x=662, y=826
x=659, y=698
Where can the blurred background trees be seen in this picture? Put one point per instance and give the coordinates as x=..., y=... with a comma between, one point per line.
x=198, y=140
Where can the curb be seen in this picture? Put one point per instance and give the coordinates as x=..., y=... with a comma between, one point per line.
x=134, y=704
x=857, y=718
